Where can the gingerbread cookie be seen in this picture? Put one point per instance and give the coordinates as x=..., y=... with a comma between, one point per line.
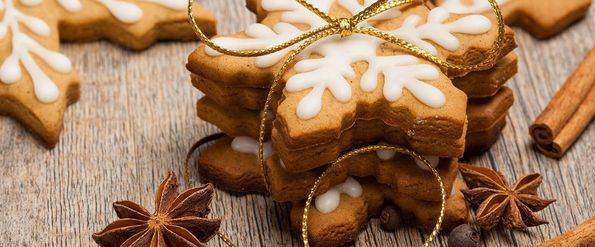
x=231, y=163
x=483, y=84
x=341, y=199
x=482, y=114
x=476, y=84
x=353, y=212
x=362, y=133
x=234, y=167
x=480, y=141
x=542, y=18
x=487, y=119
x=403, y=173
x=37, y=82
x=428, y=116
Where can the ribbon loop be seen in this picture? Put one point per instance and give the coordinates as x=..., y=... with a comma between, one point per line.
x=339, y=162
x=376, y=8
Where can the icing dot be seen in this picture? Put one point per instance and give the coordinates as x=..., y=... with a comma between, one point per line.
x=434, y=161
x=124, y=11
x=311, y=104
x=476, y=7
x=57, y=61
x=388, y=155
x=71, y=5
x=385, y=154
x=329, y=201
x=172, y=4
x=46, y=90
x=36, y=25
x=10, y=71
x=248, y=145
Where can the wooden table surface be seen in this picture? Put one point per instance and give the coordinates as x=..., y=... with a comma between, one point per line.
x=136, y=120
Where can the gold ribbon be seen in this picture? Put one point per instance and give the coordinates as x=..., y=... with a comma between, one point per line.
x=346, y=27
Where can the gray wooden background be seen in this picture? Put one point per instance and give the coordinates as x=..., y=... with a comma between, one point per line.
x=136, y=120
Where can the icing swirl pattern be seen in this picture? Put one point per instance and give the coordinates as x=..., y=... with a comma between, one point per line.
x=24, y=45
x=330, y=200
x=333, y=71
x=476, y=6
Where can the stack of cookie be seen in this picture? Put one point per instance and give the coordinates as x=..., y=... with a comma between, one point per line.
x=345, y=93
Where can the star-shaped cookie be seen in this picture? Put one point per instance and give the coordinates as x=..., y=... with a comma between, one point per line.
x=37, y=82
x=339, y=82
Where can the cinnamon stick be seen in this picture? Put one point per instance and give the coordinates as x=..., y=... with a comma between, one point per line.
x=569, y=113
x=581, y=235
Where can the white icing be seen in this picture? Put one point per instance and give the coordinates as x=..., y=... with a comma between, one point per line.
x=293, y=12
x=71, y=5
x=22, y=47
x=389, y=155
x=31, y=2
x=34, y=24
x=262, y=37
x=123, y=11
x=354, y=7
x=434, y=161
x=476, y=7
x=329, y=72
x=334, y=70
x=404, y=71
x=438, y=32
x=12, y=17
x=385, y=154
x=248, y=145
x=329, y=201
x=172, y=4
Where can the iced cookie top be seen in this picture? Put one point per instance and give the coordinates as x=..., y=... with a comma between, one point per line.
x=328, y=64
x=339, y=84
x=27, y=31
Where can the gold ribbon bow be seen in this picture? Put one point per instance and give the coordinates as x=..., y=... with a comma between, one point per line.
x=346, y=27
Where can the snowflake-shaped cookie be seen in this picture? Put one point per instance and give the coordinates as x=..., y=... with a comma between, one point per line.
x=334, y=69
x=542, y=18
x=37, y=82
x=338, y=81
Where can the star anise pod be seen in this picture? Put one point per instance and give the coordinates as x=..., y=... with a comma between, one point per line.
x=515, y=207
x=179, y=219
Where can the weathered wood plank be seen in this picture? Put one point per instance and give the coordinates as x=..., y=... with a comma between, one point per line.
x=136, y=120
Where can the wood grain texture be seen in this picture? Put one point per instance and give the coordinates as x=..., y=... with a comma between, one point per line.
x=136, y=120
